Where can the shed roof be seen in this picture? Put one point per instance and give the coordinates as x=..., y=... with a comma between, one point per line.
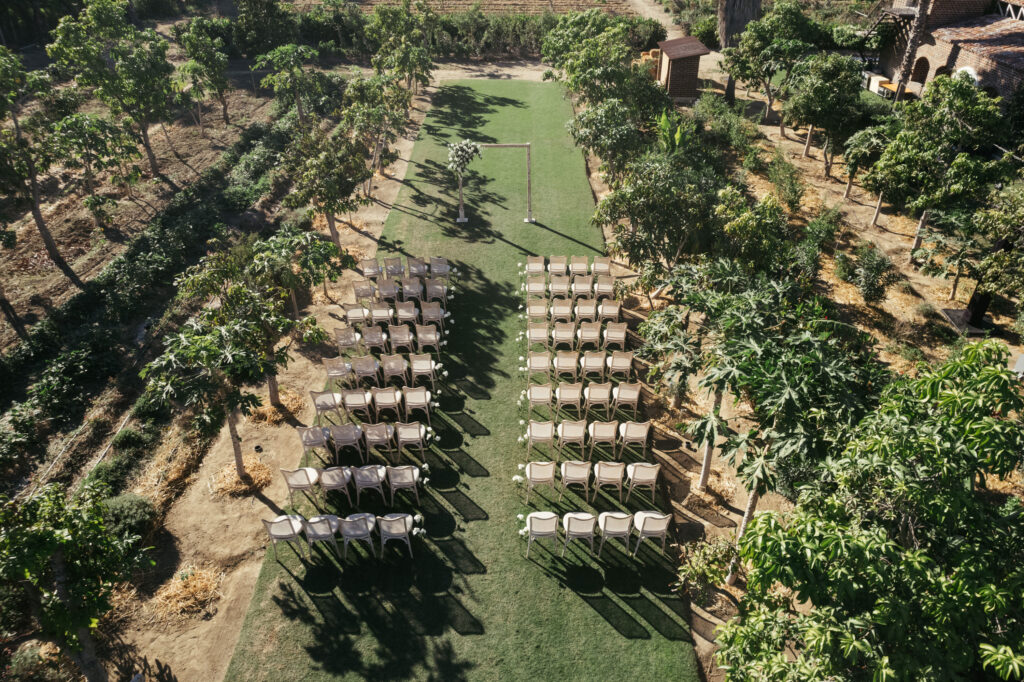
x=999, y=38
x=687, y=46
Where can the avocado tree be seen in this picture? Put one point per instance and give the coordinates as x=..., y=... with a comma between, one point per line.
x=128, y=68
x=93, y=144
x=402, y=33
x=288, y=76
x=376, y=110
x=298, y=259
x=27, y=147
x=58, y=552
x=206, y=68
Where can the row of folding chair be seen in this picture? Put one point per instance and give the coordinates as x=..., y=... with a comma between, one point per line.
x=579, y=432
x=397, y=337
x=373, y=403
x=581, y=526
x=407, y=289
x=355, y=527
x=577, y=336
x=367, y=477
x=406, y=368
x=590, y=478
x=560, y=265
x=567, y=309
x=581, y=397
x=366, y=438
x=561, y=286
x=617, y=364
x=393, y=268
x=404, y=313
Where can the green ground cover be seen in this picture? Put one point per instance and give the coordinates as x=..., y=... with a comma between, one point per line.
x=470, y=606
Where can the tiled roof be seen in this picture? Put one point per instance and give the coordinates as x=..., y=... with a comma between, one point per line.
x=687, y=46
x=998, y=38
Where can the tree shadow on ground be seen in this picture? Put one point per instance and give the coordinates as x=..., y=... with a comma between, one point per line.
x=460, y=112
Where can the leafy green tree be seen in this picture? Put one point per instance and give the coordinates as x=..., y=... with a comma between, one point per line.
x=609, y=131
x=128, y=68
x=326, y=170
x=403, y=35
x=26, y=147
x=863, y=149
x=376, y=111
x=758, y=234
x=93, y=144
x=298, y=259
x=770, y=46
x=207, y=65
x=572, y=29
x=733, y=17
x=59, y=552
x=908, y=571
x=261, y=26
x=288, y=77
x=826, y=97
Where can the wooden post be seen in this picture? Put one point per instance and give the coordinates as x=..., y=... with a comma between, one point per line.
x=807, y=142
x=529, y=175
x=462, y=214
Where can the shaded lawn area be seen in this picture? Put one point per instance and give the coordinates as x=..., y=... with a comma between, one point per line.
x=471, y=606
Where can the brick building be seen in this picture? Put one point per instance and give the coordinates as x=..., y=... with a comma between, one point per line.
x=961, y=35
x=678, y=64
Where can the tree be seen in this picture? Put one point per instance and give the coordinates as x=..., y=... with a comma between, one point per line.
x=93, y=144
x=459, y=156
x=733, y=18
x=128, y=68
x=770, y=46
x=261, y=26
x=909, y=573
x=376, y=111
x=326, y=170
x=403, y=36
x=206, y=69
x=940, y=155
x=298, y=259
x=862, y=150
x=59, y=552
x=826, y=96
x=26, y=148
x=609, y=131
x=288, y=76
x=757, y=235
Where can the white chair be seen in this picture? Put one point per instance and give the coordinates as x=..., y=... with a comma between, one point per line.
x=539, y=395
x=405, y=314
x=561, y=310
x=575, y=473
x=439, y=267
x=589, y=334
x=339, y=371
x=387, y=400
x=567, y=363
x=578, y=526
x=615, y=335
x=369, y=268
x=602, y=433
x=394, y=268
x=285, y=528
x=381, y=313
x=379, y=436
x=608, y=474
x=642, y=475
x=534, y=265
x=608, y=310
x=437, y=291
x=559, y=287
x=569, y=395
x=626, y=395
x=346, y=338
x=586, y=310
x=336, y=478
x=537, y=333
x=356, y=314
x=537, y=310
x=366, y=367
x=432, y=313
x=303, y=479
x=620, y=363
x=539, y=363
x=427, y=336
x=357, y=400
x=394, y=366
x=401, y=338
x=375, y=339
x=593, y=362
x=558, y=265
x=417, y=267
x=423, y=365
x=411, y=433
x=595, y=395
x=634, y=433
x=651, y=524
x=325, y=402
x=416, y=398
x=578, y=265
x=602, y=266
x=582, y=286
x=614, y=525
x=358, y=527
x=347, y=436
x=387, y=290
x=539, y=473
x=572, y=433
x=322, y=529
x=604, y=287
x=539, y=432
x=412, y=289
x=563, y=333
x=369, y=477
x=540, y=524
x=407, y=477
x=536, y=286
x=364, y=290
x=395, y=527
x=312, y=437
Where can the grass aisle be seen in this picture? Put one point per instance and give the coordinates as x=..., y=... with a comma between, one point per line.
x=470, y=605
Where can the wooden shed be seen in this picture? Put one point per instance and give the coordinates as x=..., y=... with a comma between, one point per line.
x=677, y=68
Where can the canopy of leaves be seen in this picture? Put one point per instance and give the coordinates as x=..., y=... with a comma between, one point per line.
x=326, y=169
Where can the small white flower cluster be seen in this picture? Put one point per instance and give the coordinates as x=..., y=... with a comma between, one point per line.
x=419, y=531
x=521, y=466
x=517, y=479
x=520, y=517
x=425, y=468
x=460, y=154
x=523, y=532
x=418, y=519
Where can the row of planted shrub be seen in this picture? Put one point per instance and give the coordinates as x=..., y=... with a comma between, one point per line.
x=47, y=382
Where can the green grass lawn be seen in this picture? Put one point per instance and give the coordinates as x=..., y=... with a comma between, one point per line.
x=471, y=606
